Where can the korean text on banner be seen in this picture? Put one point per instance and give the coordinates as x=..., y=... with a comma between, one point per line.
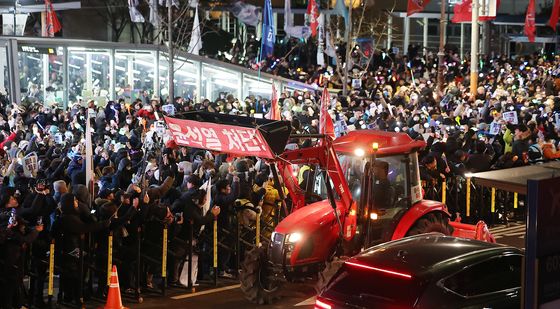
x=223, y=138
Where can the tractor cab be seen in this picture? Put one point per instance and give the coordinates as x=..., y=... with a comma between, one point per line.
x=382, y=173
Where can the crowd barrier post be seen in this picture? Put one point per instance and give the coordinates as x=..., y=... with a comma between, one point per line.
x=443, y=191
x=238, y=247
x=81, y=271
x=138, y=257
x=215, y=251
x=258, y=229
x=493, y=203
x=51, y=274
x=515, y=200
x=190, y=265
x=468, y=201
x=164, y=260
x=109, y=257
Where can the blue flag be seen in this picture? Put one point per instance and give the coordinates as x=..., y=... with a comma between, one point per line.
x=340, y=9
x=268, y=36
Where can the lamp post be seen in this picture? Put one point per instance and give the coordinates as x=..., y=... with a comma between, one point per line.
x=474, y=48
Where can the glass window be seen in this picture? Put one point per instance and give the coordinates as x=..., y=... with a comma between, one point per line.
x=134, y=75
x=494, y=275
x=31, y=75
x=257, y=88
x=88, y=75
x=54, y=91
x=4, y=72
x=185, y=77
x=217, y=81
x=41, y=74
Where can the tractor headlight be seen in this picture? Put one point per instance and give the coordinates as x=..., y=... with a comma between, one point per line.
x=294, y=237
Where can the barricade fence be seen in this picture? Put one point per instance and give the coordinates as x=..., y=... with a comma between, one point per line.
x=147, y=263
x=471, y=201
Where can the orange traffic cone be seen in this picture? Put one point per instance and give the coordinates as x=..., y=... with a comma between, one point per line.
x=114, y=295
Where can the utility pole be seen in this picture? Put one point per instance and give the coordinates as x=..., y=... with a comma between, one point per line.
x=474, y=48
x=441, y=53
x=348, y=48
x=170, y=51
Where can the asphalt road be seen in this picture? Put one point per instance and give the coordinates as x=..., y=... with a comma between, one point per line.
x=294, y=295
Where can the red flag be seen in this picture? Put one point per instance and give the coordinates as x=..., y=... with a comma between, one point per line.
x=313, y=13
x=530, y=27
x=274, y=113
x=53, y=24
x=415, y=6
x=326, y=125
x=462, y=12
x=554, y=15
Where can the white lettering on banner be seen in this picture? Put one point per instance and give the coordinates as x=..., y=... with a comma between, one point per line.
x=243, y=140
x=212, y=140
x=193, y=136
x=233, y=140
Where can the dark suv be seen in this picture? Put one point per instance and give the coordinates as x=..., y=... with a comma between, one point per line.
x=427, y=271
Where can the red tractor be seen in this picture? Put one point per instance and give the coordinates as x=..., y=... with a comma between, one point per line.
x=371, y=184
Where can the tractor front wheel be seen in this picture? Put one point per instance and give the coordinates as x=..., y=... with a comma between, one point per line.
x=432, y=222
x=259, y=283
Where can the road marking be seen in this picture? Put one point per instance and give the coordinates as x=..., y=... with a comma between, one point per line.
x=503, y=229
x=307, y=302
x=516, y=234
x=225, y=288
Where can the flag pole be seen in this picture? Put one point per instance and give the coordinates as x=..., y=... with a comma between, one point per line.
x=171, y=51
x=474, y=48
x=441, y=53
x=348, y=48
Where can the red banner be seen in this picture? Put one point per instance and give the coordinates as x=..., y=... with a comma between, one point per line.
x=530, y=27
x=415, y=6
x=554, y=15
x=462, y=12
x=222, y=138
x=53, y=24
x=313, y=13
x=274, y=113
x=325, y=121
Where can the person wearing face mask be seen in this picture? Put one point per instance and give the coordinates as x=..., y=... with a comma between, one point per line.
x=129, y=120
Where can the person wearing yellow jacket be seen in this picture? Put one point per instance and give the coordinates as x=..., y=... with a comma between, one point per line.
x=508, y=141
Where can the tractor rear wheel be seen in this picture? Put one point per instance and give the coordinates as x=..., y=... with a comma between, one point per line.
x=258, y=282
x=432, y=222
x=331, y=267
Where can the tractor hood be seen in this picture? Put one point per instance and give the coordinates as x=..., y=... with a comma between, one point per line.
x=308, y=219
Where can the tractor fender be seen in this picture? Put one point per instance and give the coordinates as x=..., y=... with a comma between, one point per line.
x=417, y=210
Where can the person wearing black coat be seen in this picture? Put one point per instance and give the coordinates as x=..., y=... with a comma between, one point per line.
x=225, y=199
x=67, y=230
x=13, y=237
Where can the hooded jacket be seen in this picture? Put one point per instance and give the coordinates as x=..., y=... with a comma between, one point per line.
x=84, y=201
x=70, y=226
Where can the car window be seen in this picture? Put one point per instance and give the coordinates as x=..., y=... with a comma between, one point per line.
x=490, y=276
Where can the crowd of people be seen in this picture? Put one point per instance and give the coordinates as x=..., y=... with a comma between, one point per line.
x=145, y=181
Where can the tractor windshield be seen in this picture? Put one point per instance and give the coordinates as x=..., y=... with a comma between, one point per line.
x=395, y=177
